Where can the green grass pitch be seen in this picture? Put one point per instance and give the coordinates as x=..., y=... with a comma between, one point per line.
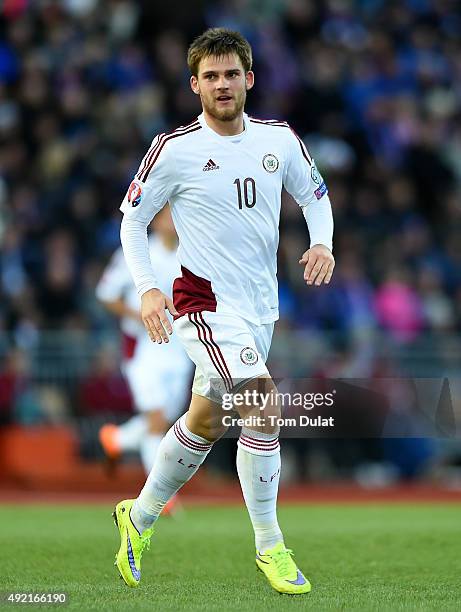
x=369, y=557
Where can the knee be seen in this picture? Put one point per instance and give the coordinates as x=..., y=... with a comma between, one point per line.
x=268, y=423
x=208, y=427
x=263, y=412
x=271, y=426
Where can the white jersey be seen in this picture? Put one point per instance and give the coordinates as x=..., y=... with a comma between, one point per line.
x=225, y=197
x=117, y=283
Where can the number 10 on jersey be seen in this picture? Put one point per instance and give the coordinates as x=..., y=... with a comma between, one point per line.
x=249, y=192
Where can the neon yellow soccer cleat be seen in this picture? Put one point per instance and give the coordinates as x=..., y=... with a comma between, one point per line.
x=132, y=545
x=281, y=571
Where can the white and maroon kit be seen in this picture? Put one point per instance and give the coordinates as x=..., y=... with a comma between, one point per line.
x=158, y=377
x=225, y=198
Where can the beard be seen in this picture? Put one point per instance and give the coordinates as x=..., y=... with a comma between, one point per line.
x=225, y=114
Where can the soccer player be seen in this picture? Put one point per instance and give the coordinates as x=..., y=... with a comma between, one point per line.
x=158, y=379
x=223, y=175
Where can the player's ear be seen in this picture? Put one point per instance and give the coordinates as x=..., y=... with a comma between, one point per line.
x=249, y=79
x=194, y=84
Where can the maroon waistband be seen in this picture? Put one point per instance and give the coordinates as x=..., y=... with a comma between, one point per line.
x=191, y=293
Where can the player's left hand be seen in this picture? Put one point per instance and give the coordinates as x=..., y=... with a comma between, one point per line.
x=319, y=265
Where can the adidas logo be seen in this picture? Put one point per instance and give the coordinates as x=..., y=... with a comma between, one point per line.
x=210, y=165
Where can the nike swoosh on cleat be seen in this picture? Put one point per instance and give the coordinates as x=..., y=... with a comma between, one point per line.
x=259, y=559
x=299, y=580
x=136, y=573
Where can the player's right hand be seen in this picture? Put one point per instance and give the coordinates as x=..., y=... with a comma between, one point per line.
x=154, y=317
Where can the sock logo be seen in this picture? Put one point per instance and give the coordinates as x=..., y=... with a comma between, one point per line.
x=191, y=465
x=261, y=479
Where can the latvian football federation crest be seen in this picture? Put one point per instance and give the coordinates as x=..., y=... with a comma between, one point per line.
x=134, y=194
x=248, y=356
x=270, y=163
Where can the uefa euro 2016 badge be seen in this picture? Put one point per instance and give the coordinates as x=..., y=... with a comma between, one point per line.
x=248, y=356
x=134, y=194
x=270, y=163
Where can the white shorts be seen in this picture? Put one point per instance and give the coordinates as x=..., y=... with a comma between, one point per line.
x=226, y=350
x=159, y=376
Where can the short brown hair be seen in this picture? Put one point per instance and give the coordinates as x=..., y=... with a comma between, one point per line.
x=219, y=42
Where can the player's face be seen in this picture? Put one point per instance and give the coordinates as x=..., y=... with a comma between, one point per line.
x=222, y=85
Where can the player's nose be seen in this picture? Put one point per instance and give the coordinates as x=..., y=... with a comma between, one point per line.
x=222, y=83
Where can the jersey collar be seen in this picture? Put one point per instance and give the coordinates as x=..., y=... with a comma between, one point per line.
x=225, y=140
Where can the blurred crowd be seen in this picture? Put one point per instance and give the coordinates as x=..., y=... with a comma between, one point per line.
x=372, y=86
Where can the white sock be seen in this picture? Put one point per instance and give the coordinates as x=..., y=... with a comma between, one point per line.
x=179, y=456
x=258, y=467
x=148, y=449
x=132, y=432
